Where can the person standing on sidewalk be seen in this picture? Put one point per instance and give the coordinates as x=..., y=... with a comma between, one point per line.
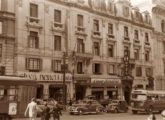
x=56, y=112
x=32, y=108
x=45, y=113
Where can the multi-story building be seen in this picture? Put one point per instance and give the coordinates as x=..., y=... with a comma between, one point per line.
x=107, y=46
x=7, y=37
x=157, y=8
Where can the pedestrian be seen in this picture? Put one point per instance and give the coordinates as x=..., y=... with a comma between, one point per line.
x=32, y=108
x=151, y=117
x=45, y=112
x=163, y=114
x=56, y=112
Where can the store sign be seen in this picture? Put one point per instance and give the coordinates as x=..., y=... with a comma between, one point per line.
x=46, y=76
x=12, y=108
x=105, y=82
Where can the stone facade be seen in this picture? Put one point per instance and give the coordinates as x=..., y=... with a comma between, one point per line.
x=94, y=35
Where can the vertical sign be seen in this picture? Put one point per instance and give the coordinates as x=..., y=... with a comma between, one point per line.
x=12, y=108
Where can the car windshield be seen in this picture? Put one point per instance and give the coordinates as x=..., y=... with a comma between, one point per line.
x=139, y=96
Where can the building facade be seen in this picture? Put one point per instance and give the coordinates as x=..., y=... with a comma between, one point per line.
x=106, y=46
x=157, y=8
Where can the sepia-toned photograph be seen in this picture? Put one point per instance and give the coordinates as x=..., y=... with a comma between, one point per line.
x=82, y=59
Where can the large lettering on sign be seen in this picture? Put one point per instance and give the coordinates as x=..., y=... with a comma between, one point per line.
x=46, y=76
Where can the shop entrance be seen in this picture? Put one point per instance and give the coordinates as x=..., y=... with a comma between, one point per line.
x=39, y=94
x=56, y=92
x=80, y=92
x=98, y=94
x=112, y=94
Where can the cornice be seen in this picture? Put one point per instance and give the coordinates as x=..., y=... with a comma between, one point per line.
x=102, y=14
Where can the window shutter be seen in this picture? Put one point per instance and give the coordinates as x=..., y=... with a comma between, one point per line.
x=108, y=68
x=83, y=47
x=37, y=42
x=93, y=68
x=28, y=41
x=101, y=68
x=26, y=64
x=41, y=64
x=52, y=65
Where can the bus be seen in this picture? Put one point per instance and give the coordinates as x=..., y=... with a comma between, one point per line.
x=15, y=94
x=147, y=101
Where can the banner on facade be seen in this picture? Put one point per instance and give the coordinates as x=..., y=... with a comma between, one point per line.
x=105, y=82
x=46, y=76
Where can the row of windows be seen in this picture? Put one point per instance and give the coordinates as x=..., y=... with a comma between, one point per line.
x=80, y=19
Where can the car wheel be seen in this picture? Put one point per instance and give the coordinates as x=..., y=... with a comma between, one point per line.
x=80, y=112
x=97, y=110
x=116, y=110
x=150, y=109
x=134, y=111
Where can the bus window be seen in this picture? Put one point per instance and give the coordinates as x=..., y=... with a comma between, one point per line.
x=12, y=94
x=139, y=96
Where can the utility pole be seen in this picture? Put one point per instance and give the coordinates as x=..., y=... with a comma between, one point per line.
x=64, y=84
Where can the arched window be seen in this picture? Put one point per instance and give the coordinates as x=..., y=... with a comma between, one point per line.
x=162, y=26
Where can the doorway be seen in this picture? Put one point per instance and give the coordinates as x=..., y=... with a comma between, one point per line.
x=39, y=94
x=80, y=92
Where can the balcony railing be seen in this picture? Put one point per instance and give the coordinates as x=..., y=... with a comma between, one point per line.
x=56, y=26
x=126, y=38
x=34, y=22
x=136, y=41
x=80, y=30
x=96, y=34
x=111, y=36
x=147, y=43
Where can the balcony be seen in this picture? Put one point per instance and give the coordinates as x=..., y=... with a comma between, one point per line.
x=34, y=22
x=96, y=35
x=136, y=41
x=147, y=43
x=84, y=55
x=57, y=27
x=126, y=40
x=80, y=30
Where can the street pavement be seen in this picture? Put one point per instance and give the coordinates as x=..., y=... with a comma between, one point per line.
x=104, y=116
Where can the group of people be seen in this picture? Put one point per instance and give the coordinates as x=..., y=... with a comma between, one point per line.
x=32, y=110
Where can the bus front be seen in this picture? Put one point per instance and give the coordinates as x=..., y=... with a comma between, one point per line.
x=138, y=101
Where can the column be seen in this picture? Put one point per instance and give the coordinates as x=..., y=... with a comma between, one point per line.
x=105, y=92
x=46, y=91
x=88, y=91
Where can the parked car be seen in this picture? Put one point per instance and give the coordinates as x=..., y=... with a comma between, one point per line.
x=86, y=107
x=117, y=106
x=105, y=102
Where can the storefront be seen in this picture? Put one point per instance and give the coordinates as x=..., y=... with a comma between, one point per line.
x=82, y=84
x=50, y=85
x=107, y=87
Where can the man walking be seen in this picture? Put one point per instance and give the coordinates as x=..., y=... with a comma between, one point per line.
x=32, y=108
x=45, y=113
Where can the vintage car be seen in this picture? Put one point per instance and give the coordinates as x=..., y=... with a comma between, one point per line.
x=117, y=106
x=86, y=107
x=105, y=102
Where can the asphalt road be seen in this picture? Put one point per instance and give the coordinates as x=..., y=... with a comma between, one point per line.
x=105, y=116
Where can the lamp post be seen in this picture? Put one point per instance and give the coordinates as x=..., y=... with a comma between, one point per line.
x=64, y=74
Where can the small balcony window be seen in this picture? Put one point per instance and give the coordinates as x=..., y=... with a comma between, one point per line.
x=34, y=13
x=56, y=65
x=33, y=64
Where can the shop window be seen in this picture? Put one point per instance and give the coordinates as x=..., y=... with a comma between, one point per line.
x=110, y=50
x=110, y=28
x=33, y=13
x=33, y=64
x=57, y=43
x=96, y=48
x=80, y=46
x=56, y=65
x=126, y=35
x=136, y=54
x=57, y=16
x=163, y=26
x=80, y=68
x=138, y=71
x=147, y=55
x=97, y=68
x=80, y=20
x=95, y=25
x=136, y=35
x=33, y=41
